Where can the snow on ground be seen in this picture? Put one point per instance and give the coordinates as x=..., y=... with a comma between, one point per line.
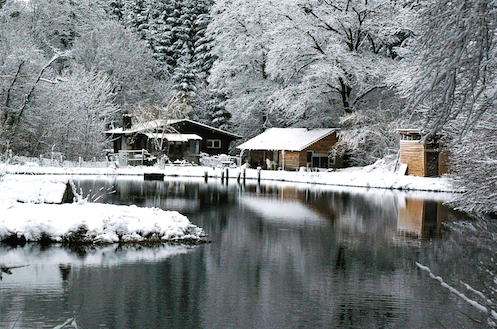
x=32, y=189
x=35, y=186
x=375, y=176
x=33, y=218
x=92, y=222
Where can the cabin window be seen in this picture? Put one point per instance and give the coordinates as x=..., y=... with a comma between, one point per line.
x=192, y=147
x=323, y=162
x=309, y=156
x=320, y=160
x=410, y=137
x=214, y=143
x=331, y=159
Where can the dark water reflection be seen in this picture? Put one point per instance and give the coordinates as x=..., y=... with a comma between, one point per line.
x=282, y=256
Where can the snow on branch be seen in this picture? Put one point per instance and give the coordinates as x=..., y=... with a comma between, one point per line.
x=491, y=313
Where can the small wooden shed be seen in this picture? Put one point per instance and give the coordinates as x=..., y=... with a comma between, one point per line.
x=424, y=157
x=292, y=148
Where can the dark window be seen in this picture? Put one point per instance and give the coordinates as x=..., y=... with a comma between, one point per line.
x=192, y=147
x=309, y=156
x=214, y=143
x=324, y=162
x=315, y=162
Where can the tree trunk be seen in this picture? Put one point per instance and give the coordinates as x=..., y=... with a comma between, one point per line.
x=345, y=91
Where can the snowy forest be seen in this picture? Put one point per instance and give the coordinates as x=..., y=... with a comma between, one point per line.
x=69, y=69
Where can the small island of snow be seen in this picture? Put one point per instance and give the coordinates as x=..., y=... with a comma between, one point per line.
x=28, y=213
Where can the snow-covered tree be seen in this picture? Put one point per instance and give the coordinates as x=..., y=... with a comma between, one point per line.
x=138, y=17
x=241, y=30
x=126, y=60
x=452, y=67
x=289, y=62
x=474, y=165
x=74, y=115
x=117, y=9
x=342, y=48
x=369, y=134
x=451, y=83
x=215, y=111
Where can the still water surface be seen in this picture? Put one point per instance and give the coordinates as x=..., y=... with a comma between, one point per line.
x=282, y=256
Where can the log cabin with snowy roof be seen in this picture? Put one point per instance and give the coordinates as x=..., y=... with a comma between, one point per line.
x=292, y=148
x=179, y=139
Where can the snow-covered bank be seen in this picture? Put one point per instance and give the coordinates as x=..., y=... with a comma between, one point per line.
x=357, y=177
x=95, y=223
x=33, y=220
x=29, y=212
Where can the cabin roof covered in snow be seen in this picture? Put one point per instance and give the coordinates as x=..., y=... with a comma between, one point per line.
x=159, y=124
x=288, y=139
x=174, y=137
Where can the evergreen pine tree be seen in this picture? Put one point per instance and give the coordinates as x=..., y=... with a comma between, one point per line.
x=216, y=113
x=117, y=9
x=203, y=43
x=137, y=17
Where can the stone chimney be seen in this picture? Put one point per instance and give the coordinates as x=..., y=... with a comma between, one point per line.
x=127, y=121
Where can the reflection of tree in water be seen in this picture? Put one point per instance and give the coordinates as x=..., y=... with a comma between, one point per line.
x=340, y=262
x=465, y=260
x=381, y=314
x=65, y=271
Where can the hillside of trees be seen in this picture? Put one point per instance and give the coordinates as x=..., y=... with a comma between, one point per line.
x=69, y=69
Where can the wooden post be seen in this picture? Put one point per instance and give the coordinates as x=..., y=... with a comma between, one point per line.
x=227, y=176
x=283, y=156
x=222, y=176
x=259, y=174
x=244, y=175
x=206, y=176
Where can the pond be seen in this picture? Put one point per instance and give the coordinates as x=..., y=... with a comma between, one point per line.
x=282, y=256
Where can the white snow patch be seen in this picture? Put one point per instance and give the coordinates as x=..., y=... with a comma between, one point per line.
x=32, y=189
x=377, y=177
x=102, y=222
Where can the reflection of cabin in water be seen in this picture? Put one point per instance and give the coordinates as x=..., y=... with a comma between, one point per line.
x=421, y=218
x=424, y=157
x=291, y=148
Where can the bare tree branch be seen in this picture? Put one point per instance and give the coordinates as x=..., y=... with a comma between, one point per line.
x=358, y=98
x=27, y=97
x=7, y=101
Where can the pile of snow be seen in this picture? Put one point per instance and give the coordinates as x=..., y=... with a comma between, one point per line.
x=29, y=213
x=213, y=161
x=95, y=223
x=32, y=189
x=385, y=165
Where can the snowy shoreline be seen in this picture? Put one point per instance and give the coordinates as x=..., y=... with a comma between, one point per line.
x=31, y=210
x=367, y=177
x=94, y=224
x=29, y=214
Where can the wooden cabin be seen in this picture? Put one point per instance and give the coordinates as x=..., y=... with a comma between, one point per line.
x=181, y=139
x=424, y=157
x=292, y=148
